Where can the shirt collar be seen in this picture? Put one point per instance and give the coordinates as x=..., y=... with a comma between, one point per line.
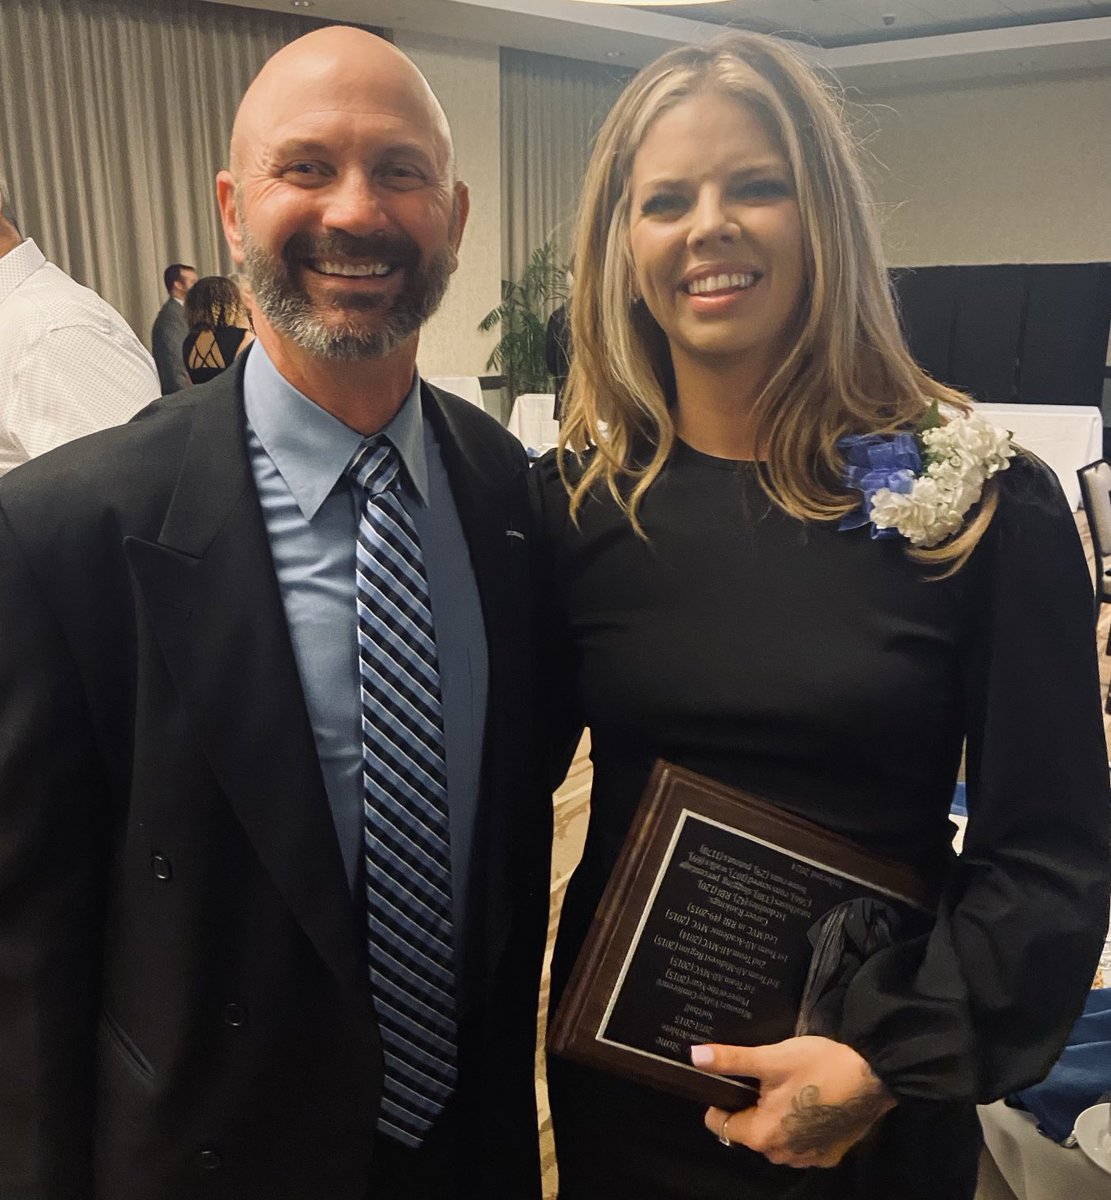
x=310, y=447
x=15, y=266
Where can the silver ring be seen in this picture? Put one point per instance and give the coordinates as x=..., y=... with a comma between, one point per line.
x=723, y=1136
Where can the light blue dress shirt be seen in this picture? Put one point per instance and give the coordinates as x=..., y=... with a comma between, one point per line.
x=298, y=454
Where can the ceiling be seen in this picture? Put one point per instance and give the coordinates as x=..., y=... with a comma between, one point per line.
x=871, y=44
x=832, y=23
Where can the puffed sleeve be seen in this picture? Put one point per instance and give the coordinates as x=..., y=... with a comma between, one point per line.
x=982, y=1005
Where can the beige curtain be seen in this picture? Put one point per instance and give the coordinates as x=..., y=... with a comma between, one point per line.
x=551, y=109
x=114, y=119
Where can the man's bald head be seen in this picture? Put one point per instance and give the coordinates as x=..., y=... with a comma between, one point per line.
x=336, y=66
x=341, y=204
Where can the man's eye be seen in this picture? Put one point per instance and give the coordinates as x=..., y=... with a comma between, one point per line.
x=401, y=175
x=302, y=168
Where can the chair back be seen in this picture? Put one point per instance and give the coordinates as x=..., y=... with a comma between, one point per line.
x=1095, y=487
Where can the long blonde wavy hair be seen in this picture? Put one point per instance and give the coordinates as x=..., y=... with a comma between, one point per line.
x=848, y=369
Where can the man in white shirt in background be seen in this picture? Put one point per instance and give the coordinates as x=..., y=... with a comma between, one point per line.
x=69, y=363
x=171, y=328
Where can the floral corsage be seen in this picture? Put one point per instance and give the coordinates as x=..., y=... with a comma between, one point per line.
x=920, y=484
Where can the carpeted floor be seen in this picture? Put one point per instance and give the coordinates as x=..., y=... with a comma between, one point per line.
x=572, y=808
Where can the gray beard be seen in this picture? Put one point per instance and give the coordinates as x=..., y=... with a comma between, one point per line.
x=291, y=312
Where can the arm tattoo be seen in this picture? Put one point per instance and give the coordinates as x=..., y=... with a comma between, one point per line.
x=822, y=1127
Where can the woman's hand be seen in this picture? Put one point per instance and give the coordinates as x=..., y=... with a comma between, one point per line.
x=817, y=1098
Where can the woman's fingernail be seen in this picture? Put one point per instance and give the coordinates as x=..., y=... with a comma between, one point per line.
x=702, y=1056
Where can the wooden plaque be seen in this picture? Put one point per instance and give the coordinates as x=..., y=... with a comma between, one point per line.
x=728, y=920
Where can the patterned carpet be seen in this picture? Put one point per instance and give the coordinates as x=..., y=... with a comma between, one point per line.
x=572, y=809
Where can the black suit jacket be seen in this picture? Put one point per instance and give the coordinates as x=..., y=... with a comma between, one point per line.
x=166, y=337
x=184, y=999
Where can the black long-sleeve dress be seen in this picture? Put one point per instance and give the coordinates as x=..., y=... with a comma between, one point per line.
x=823, y=670
x=217, y=349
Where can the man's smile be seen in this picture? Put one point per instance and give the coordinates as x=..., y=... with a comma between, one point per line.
x=350, y=270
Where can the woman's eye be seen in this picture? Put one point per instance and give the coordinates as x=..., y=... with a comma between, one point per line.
x=763, y=189
x=663, y=204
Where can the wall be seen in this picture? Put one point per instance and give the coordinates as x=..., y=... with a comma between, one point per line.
x=465, y=77
x=1014, y=171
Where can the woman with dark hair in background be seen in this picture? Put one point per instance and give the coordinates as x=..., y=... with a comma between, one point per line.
x=219, y=327
x=782, y=556
x=247, y=295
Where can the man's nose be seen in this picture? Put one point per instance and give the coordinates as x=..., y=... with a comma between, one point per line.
x=354, y=205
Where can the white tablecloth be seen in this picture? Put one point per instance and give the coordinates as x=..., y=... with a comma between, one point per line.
x=466, y=386
x=1066, y=436
x=532, y=422
x=1034, y=1167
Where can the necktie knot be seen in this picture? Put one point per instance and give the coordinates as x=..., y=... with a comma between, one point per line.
x=375, y=465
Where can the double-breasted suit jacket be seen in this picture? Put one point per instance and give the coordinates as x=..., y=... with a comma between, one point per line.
x=184, y=999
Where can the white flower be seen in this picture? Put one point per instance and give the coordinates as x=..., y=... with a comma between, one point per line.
x=960, y=457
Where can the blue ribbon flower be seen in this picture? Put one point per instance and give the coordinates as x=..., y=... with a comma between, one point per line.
x=874, y=461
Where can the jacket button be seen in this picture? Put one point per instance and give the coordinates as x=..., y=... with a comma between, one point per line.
x=161, y=867
x=208, y=1160
x=235, y=1015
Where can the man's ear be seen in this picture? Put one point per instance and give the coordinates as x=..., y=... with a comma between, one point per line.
x=461, y=207
x=229, y=215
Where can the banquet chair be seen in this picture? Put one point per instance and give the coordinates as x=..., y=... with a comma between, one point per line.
x=1095, y=488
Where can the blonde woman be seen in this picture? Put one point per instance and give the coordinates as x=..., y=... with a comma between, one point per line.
x=782, y=556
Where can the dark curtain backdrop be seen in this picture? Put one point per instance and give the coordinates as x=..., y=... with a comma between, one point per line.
x=1026, y=334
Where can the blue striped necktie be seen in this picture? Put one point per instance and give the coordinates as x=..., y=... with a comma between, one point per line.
x=408, y=862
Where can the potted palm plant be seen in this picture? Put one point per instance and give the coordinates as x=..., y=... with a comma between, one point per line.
x=526, y=304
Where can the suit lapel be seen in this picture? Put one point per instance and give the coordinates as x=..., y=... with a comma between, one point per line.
x=494, y=529
x=211, y=595
x=482, y=513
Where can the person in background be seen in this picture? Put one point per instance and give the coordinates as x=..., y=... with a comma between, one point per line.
x=69, y=363
x=557, y=350
x=219, y=327
x=793, y=562
x=248, y=293
x=170, y=327
x=273, y=839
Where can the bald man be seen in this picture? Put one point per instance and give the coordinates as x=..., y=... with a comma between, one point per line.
x=271, y=912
